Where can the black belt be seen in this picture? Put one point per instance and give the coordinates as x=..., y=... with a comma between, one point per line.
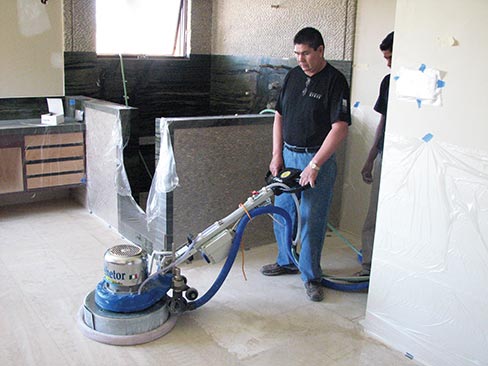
x=299, y=149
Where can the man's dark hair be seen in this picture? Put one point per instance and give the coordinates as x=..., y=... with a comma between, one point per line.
x=387, y=43
x=309, y=36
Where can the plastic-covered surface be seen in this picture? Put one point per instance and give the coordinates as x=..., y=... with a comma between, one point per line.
x=35, y=156
x=105, y=172
x=165, y=179
x=423, y=85
x=109, y=193
x=54, y=159
x=429, y=274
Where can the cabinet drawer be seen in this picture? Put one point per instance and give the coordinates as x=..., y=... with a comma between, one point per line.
x=54, y=139
x=53, y=160
x=55, y=167
x=56, y=152
x=54, y=180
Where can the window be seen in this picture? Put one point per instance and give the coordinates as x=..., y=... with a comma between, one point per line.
x=142, y=27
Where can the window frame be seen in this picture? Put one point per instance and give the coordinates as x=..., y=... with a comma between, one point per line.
x=183, y=24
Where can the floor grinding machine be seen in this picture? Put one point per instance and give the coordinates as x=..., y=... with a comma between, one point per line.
x=132, y=306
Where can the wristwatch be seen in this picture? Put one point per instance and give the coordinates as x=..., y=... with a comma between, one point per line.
x=314, y=166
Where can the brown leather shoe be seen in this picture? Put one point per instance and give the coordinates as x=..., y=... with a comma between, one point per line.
x=275, y=269
x=362, y=273
x=315, y=291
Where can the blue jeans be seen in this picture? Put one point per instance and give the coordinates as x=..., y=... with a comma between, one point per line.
x=314, y=209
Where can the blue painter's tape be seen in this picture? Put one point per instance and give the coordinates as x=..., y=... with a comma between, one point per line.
x=356, y=105
x=396, y=78
x=441, y=83
x=428, y=137
x=419, y=103
x=408, y=355
x=422, y=67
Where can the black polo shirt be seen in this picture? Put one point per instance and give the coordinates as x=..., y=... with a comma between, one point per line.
x=310, y=105
x=381, y=106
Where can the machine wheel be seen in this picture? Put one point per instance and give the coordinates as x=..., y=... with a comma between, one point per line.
x=191, y=294
x=178, y=305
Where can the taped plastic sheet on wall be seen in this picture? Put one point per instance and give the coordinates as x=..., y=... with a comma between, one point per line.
x=423, y=86
x=430, y=262
x=165, y=179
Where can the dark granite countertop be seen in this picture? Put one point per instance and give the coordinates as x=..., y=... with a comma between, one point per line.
x=35, y=127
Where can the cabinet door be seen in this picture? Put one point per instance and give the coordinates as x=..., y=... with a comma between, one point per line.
x=11, y=177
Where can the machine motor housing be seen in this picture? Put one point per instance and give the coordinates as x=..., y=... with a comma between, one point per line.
x=125, y=268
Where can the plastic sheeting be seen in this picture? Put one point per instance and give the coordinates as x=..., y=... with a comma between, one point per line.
x=165, y=179
x=431, y=252
x=109, y=193
x=105, y=173
x=36, y=158
x=423, y=86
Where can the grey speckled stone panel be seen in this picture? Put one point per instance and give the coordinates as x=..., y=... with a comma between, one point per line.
x=350, y=29
x=219, y=163
x=267, y=27
x=79, y=25
x=218, y=169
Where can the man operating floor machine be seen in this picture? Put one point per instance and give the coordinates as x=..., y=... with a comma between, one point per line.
x=132, y=306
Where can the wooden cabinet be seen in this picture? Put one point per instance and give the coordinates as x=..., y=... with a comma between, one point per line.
x=11, y=166
x=52, y=160
x=11, y=177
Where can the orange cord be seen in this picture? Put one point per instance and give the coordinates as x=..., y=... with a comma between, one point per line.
x=246, y=211
x=242, y=263
x=242, y=246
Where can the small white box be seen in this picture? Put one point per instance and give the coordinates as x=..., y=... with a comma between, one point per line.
x=52, y=119
x=56, y=112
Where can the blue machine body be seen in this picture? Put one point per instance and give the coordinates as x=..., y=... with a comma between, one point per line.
x=132, y=302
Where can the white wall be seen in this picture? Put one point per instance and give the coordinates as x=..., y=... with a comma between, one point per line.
x=32, y=48
x=428, y=293
x=375, y=19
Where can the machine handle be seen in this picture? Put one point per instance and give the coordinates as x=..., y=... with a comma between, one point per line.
x=289, y=177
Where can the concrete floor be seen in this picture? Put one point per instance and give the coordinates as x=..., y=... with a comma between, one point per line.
x=51, y=256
